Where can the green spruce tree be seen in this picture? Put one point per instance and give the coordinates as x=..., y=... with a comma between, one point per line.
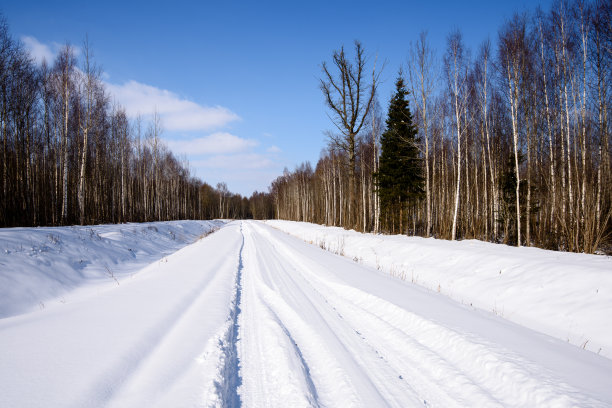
x=400, y=176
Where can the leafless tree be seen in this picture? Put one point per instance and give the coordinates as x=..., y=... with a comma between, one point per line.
x=456, y=72
x=422, y=77
x=349, y=96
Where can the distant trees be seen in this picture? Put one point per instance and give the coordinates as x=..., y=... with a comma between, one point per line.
x=515, y=146
x=261, y=206
x=71, y=156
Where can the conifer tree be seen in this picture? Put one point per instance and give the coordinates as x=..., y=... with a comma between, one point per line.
x=400, y=175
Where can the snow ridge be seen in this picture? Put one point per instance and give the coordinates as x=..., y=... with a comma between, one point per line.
x=42, y=267
x=227, y=389
x=312, y=389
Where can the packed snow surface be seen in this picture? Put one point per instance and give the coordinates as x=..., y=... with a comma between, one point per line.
x=250, y=316
x=565, y=295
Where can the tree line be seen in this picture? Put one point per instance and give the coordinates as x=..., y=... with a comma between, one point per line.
x=511, y=145
x=71, y=155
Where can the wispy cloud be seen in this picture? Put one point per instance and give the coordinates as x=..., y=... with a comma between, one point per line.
x=178, y=114
x=41, y=51
x=38, y=50
x=273, y=149
x=216, y=143
x=246, y=161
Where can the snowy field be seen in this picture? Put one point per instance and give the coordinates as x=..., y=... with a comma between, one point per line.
x=251, y=316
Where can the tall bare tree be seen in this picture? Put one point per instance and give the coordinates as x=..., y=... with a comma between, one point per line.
x=512, y=62
x=349, y=96
x=89, y=83
x=64, y=67
x=456, y=72
x=421, y=62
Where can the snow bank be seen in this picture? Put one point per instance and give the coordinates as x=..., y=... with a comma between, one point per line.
x=565, y=295
x=41, y=265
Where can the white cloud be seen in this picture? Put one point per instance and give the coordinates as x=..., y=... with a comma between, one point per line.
x=216, y=143
x=177, y=114
x=75, y=48
x=273, y=149
x=247, y=161
x=38, y=50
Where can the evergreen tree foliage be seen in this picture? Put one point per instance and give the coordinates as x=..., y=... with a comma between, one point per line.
x=400, y=178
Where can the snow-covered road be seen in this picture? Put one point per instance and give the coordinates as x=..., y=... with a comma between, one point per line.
x=254, y=317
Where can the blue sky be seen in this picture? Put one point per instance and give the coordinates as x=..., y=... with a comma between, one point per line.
x=236, y=83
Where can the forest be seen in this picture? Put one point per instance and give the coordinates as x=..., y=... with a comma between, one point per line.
x=507, y=143
x=71, y=155
x=510, y=144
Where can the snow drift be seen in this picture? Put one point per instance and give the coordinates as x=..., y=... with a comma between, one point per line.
x=39, y=265
x=564, y=295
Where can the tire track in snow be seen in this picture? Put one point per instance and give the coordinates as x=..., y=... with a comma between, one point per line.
x=274, y=368
x=227, y=389
x=112, y=384
x=413, y=363
x=307, y=376
x=369, y=380
x=342, y=368
x=447, y=367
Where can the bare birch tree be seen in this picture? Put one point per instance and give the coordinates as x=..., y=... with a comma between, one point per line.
x=456, y=72
x=512, y=62
x=89, y=82
x=64, y=67
x=421, y=65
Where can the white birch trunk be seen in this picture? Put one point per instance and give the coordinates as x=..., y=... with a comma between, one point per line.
x=551, y=151
x=458, y=122
x=65, y=160
x=513, y=90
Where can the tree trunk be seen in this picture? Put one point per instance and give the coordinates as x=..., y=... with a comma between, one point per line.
x=512, y=93
x=551, y=152
x=81, y=195
x=458, y=122
x=65, y=161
